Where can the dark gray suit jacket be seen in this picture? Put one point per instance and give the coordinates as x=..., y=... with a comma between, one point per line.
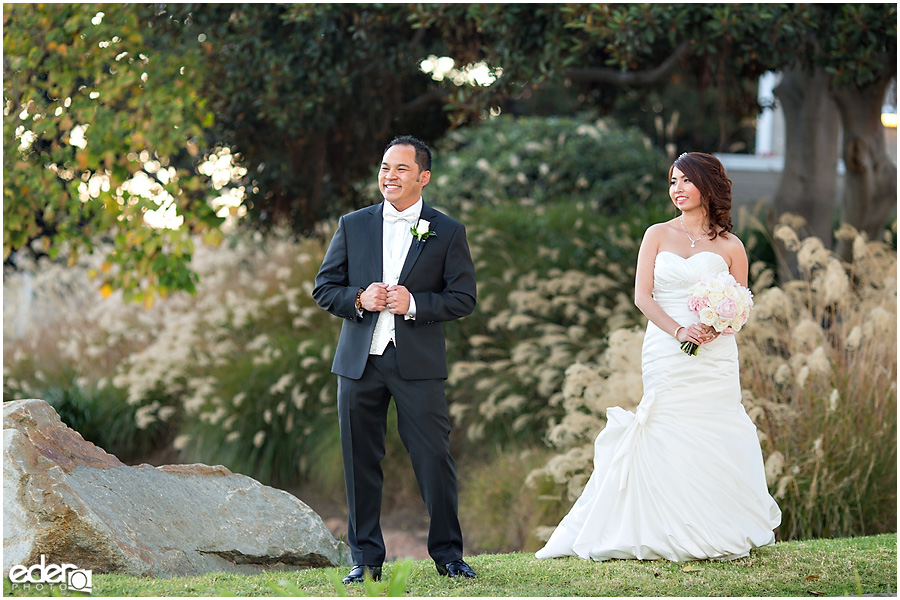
x=438, y=272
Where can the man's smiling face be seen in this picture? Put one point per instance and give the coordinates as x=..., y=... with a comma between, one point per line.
x=400, y=179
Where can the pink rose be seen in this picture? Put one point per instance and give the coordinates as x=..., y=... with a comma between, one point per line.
x=696, y=303
x=727, y=309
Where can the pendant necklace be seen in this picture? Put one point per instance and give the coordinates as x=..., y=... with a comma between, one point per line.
x=693, y=241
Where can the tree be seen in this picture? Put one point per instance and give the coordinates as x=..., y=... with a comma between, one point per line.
x=308, y=96
x=846, y=50
x=102, y=132
x=859, y=55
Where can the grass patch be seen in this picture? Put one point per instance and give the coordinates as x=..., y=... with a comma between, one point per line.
x=835, y=567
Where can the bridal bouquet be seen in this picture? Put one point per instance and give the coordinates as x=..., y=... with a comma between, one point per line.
x=721, y=303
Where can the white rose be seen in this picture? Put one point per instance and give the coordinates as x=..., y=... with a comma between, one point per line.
x=727, y=279
x=422, y=227
x=699, y=290
x=708, y=316
x=715, y=285
x=733, y=293
x=716, y=297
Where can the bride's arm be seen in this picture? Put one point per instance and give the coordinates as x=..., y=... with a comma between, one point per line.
x=739, y=267
x=643, y=290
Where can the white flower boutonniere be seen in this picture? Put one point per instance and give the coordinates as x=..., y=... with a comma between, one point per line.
x=422, y=231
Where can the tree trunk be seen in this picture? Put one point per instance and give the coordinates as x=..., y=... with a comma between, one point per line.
x=808, y=185
x=870, y=183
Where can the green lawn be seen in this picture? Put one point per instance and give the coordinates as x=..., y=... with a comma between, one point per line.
x=840, y=567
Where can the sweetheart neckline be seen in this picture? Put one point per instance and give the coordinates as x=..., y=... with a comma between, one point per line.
x=693, y=255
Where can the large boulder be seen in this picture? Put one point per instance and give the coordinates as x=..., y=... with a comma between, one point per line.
x=67, y=499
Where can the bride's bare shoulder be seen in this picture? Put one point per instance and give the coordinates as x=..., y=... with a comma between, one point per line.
x=733, y=242
x=658, y=229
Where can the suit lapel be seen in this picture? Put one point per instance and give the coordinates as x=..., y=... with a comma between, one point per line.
x=376, y=235
x=415, y=249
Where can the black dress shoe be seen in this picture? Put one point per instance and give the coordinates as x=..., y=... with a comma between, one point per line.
x=457, y=568
x=358, y=573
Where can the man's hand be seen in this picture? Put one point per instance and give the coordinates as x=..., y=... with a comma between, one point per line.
x=374, y=298
x=397, y=300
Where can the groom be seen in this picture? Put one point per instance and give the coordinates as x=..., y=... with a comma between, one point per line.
x=395, y=272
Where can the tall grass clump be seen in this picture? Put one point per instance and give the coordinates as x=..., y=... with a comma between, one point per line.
x=541, y=308
x=238, y=374
x=818, y=372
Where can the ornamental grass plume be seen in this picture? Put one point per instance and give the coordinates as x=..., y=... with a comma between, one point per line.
x=508, y=381
x=819, y=371
x=238, y=374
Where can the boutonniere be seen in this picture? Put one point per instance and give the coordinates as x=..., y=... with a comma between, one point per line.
x=422, y=231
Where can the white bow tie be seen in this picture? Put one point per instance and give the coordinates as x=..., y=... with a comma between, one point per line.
x=391, y=215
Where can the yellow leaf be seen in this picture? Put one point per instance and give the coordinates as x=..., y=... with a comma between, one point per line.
x=149, y=299
x=106, y=290
x=105, y=267
x=691, y=569
x=811, y=577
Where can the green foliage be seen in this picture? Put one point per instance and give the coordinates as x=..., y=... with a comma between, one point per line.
x=101, y=127
x=611, y=43
x=308, y=95
x=859, y=41
x=542, y=161
x=597, y=48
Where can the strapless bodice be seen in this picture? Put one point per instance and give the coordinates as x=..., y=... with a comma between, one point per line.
x=674, y=275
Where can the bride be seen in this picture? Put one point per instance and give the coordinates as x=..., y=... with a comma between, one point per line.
x=683, y=478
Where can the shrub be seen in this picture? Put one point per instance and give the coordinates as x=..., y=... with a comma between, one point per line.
x=533, y=161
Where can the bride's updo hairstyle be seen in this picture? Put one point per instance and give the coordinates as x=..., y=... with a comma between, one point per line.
x=708, y=175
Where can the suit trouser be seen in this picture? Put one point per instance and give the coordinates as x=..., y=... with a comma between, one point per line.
x=424, y=428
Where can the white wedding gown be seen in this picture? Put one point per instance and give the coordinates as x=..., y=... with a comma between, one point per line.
x=683, y=478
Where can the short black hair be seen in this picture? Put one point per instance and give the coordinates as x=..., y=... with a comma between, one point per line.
x=423, y=153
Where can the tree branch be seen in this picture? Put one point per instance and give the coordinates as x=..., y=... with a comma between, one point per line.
x=616, y=77
x=423, y=100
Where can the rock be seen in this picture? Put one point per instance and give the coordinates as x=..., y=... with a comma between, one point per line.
x=71, y=501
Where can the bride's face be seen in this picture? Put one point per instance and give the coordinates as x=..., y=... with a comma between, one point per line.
x=683, y=192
